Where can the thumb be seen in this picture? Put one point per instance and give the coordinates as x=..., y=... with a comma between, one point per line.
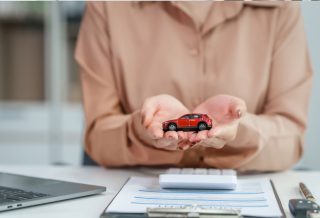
x=149, y=108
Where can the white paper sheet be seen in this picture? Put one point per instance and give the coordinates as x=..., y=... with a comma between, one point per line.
x=255, y=197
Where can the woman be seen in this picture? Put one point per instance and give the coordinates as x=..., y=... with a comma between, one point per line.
x=245, y=64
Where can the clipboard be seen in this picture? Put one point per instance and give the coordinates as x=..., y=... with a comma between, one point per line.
x=185, y=211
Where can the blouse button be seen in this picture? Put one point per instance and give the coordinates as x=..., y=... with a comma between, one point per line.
x=194, y=52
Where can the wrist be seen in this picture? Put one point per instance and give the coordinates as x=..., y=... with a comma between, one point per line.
x=247, y=134
x=140, y=130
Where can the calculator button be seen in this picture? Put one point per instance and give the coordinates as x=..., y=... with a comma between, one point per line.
x=229, y=172
x=173, y=171
x=187, y=171
x=214, y=172
x=200, y=171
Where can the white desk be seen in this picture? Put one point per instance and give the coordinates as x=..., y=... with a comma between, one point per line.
x=113, y=179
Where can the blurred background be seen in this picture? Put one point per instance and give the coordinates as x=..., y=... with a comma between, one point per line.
x=41, y=117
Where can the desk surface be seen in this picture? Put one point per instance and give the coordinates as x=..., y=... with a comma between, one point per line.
x=113, y=179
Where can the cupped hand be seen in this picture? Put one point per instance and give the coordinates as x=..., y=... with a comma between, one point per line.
x=225, y=111
x=158, y=109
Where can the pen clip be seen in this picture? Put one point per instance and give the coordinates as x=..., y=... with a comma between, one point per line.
x=192, y=211
x=306, y=192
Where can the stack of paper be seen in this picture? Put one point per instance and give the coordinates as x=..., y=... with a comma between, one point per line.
x=254, y=197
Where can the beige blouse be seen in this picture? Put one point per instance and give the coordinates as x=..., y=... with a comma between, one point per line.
x=129, y=51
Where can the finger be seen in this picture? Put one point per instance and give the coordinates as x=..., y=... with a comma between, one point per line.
x=213, y=142
x=184, y=145
x=202, y=135
x=193, y=144
x=155, y=131
x=167, y=144
x=148, y=110
x=225, y=132
x=172, y=147
x=182, y=135
x=171, y=135
x=192, y=137
x=188, y=145
x=189, y=134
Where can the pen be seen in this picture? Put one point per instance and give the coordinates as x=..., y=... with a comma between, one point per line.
x=306, y=192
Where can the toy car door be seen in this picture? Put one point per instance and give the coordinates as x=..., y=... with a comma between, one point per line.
x=193, y=121
x=183, y=122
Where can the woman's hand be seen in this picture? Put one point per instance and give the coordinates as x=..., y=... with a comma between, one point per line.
x=158, y=109
x=226, y=112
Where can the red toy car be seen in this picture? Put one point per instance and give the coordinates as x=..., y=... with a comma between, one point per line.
x=188, y=122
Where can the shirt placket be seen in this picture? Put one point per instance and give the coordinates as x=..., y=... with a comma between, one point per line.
x=196, y=51
x=195, y=157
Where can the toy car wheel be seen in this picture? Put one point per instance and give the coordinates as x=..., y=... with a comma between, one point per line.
x=172, y=127
x=202, y=126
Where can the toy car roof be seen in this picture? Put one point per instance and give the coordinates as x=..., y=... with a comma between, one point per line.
x=192, y=114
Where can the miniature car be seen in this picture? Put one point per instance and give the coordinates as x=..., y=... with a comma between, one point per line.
x=188, y=122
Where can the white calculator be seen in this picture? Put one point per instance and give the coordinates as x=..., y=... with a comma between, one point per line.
x=198, y=178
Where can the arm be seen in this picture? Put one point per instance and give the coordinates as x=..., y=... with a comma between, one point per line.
x=273, y=140
x=112, y=138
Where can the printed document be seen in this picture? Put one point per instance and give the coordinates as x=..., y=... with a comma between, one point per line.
x=254, y=197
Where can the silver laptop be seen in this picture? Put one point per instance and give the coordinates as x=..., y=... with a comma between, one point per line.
x=17, y=191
